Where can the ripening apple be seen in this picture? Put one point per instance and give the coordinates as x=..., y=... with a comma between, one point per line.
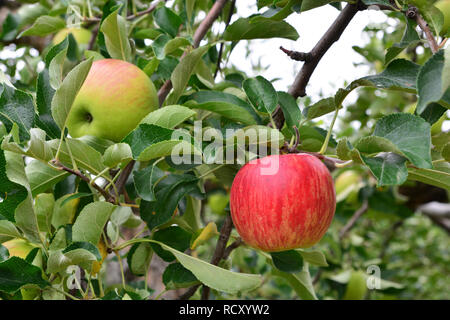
x=114, y=98
x=444, y=6
x=285, y=208
x=81, y=35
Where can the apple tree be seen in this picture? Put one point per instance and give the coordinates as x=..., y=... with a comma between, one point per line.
x=124, y=123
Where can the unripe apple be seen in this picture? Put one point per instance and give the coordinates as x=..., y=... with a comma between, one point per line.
x=81, y=35
x=114, y=98
x=288, y=206
x=347, y=185
x=444, y=6
x=356, y=286
x=218, y=202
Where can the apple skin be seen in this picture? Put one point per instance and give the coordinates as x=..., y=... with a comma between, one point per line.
x=114, y=98
x=290, y=209
x=81, y=35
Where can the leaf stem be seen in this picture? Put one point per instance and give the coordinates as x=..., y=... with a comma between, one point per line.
x=327, y=139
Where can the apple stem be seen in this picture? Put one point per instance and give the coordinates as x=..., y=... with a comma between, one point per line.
x=327, y=139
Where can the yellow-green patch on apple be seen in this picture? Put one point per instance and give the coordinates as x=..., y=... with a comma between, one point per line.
x=114, y=98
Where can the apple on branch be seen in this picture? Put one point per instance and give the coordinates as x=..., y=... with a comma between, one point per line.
x=291, y=208
x=114, y=98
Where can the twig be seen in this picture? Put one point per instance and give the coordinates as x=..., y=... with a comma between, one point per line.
x=108, y=197
x=231, y=247
x=93, y=37
x=146, y=11
x=189, y=293
x=296, y=55
x=315, y=55
x=358, y=213
x=219, y=58
x=219, y=252
x=123, y=177
x=413, y=13
x=201, y=31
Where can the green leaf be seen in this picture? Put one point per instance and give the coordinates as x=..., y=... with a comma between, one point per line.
x=59, y=261
x=169, y=116
x=183, y=71
x=410, y=134
x=42, y=177
x=227, y=110
x=65, y=95
x=84, y=155
x=86, y=246
x=44, y=96
x=215, y=277
x=139, y=257
x=158, y=46
x=37, y=146
x=169, y=192
x=432, y=82
x=167, y=20
x=11, y=193
x=43, y=206
x=410, y=37
x=16, y=107
x=175, y=237
x=287, y=261
x=176, y=276
x=16, y=273
x=314, y=257
x=261, y=28
x=144, y=181
x=89, y=225
x=291, y=110
x=389, y=168
x=261, y=94
x=435, y=177
x=8, y=229
x=44, y=25
x=119, y=153
x=114, y=28
x=300, y=282
x=25, y=217
x=202, y=97
x=149, y=141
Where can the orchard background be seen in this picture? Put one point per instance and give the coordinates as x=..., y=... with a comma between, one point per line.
x=89, y=218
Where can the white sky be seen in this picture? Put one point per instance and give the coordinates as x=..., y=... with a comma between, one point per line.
x=336, y=67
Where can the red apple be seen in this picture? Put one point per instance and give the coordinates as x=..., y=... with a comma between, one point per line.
x=288, y=208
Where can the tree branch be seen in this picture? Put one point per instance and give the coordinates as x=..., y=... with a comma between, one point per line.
x=358, y=213
x=108, y=197
x=413, y=13
x=298, y=88
x=219, y=57
x=224, y=236
x=201, y=31
x=123, y=178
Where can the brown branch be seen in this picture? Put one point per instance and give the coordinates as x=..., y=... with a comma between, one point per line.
x=146, y=11
x=219, y=252
x=108, y=197
x=413, y=13
x=298, y=88
x=231, y=247
x=296, y=55
x=191, y=291
x=201, y=31
x=123, y=178
x=93, y=37
x=219, y=57
x=358, y=213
